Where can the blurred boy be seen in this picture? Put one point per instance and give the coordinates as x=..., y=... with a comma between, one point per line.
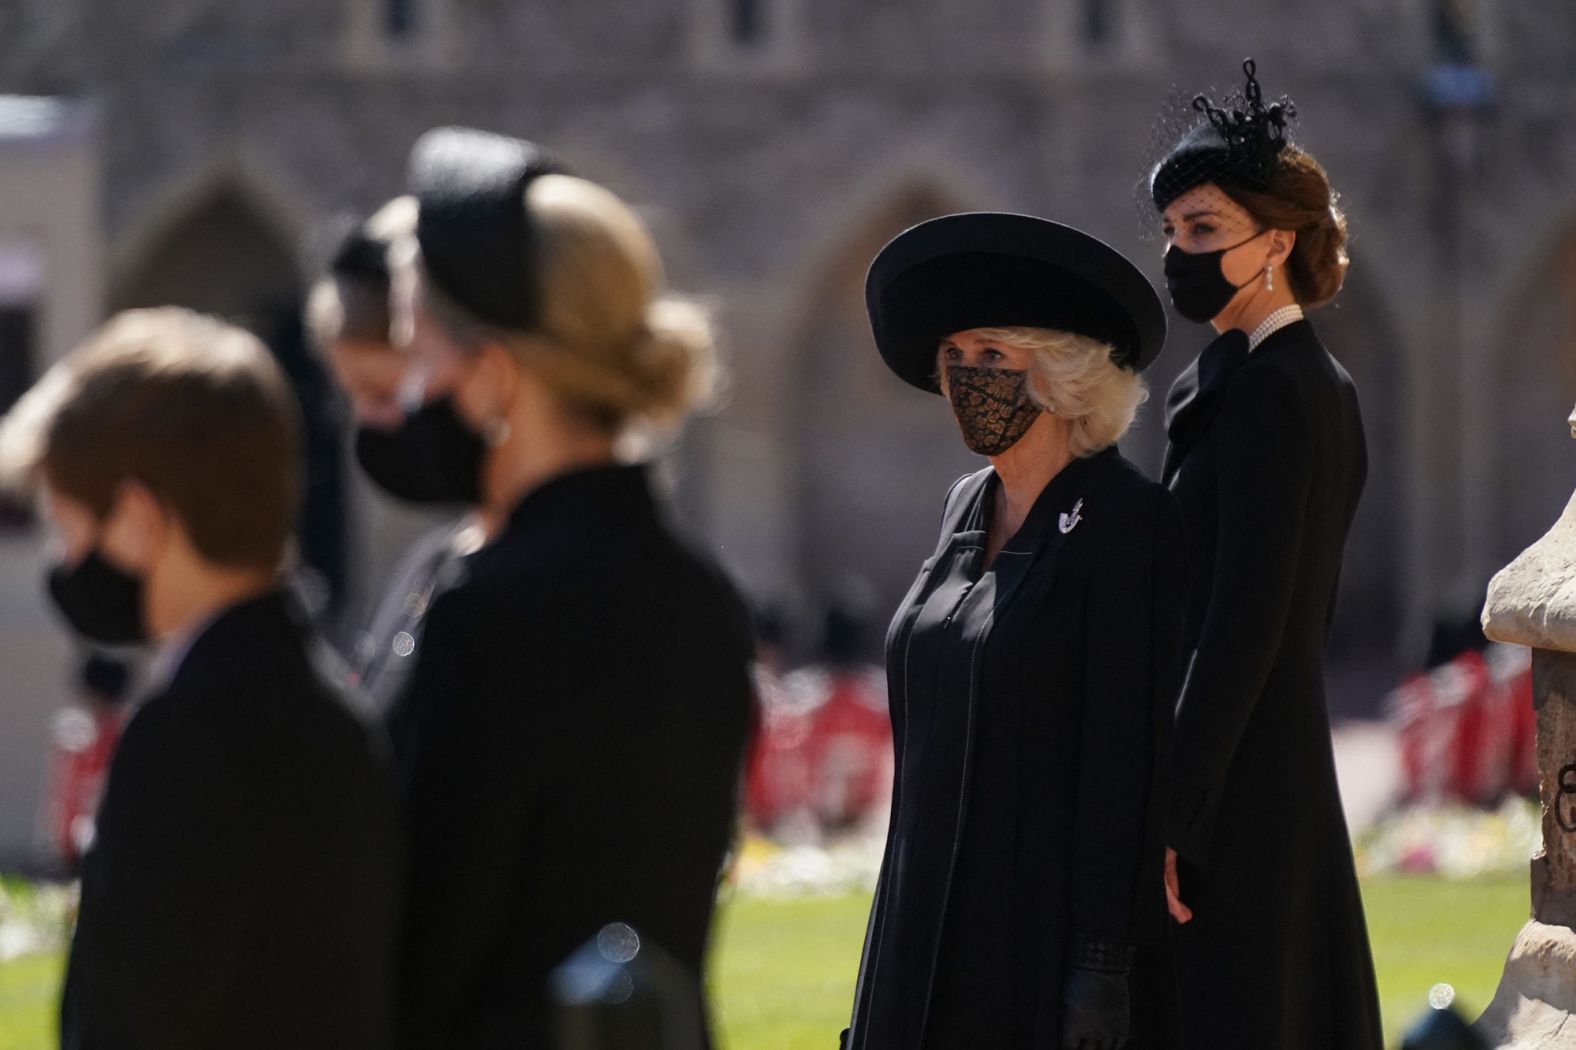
x=241, y=890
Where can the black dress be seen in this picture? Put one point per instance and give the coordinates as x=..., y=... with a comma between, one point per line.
x=1029, y=702
x=573, y=737
x=1267, y=462
x=243, y=890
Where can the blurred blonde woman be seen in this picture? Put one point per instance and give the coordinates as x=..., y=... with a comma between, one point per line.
x=572, y=733
x=1030, y=667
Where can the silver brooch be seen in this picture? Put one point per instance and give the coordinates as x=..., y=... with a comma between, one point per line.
x=1070, y=519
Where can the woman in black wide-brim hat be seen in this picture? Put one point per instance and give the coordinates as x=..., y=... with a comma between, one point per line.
x=1267, y=460
x=1032, y=665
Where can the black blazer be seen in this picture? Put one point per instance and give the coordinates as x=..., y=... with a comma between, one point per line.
x=1267, y=462
x=1030, y=702
x=571, y=739
x=243, y=888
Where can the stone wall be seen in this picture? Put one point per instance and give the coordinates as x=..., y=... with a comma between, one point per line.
x=771, y=172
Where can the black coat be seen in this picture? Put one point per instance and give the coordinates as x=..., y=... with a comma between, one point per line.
x=1267, y=463
x=243, y=888
x=575, y=728
x=1029, y=705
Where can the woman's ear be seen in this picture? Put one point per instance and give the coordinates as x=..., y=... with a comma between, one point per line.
x=1281, y=244
x=137, y=529
x=490, y=389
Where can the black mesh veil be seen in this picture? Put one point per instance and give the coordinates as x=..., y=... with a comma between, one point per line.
x=1232, y=141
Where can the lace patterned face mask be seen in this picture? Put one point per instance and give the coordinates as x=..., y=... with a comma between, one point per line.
x=993, y=406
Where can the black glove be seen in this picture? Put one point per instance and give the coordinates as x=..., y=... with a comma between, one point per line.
x=842, y=1040
x=1096, y=1006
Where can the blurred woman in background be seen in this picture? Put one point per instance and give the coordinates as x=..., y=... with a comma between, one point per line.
x=349, y=316
x=572, y=735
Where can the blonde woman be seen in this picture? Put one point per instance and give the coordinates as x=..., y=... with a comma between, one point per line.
x=572, y=733
x=1031, y=665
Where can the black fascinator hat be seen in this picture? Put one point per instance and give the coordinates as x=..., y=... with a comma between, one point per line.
x=1237, y=141
x=477, y=243
x=996, y=270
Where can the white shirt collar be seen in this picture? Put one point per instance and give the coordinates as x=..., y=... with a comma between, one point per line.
x=1277, y=320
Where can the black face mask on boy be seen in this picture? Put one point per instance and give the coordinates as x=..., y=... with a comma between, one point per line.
x=102, y=603
x=432, y=456
x=1198, y=286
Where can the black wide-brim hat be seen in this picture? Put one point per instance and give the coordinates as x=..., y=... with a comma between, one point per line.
x=998, y=270
x=477, y=241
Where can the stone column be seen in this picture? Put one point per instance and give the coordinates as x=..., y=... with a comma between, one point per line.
x=1532, y=602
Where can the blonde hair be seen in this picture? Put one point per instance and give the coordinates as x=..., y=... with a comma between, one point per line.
x=1073, y=376
x=611, y=343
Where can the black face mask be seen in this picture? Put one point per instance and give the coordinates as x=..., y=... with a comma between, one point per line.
x=101, y=603
x=993, y=406
x=1198, y=286
x=433, y=456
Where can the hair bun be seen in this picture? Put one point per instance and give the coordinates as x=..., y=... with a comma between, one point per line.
x=1299, y=198
x=673, y=359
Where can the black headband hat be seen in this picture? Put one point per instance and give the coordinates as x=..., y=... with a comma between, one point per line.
x=1237, y=142
x=477, y=243
x=996, y=270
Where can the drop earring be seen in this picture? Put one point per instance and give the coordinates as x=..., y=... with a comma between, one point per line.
x=1269, y=278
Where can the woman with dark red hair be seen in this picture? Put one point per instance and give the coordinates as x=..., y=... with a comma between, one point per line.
x=1267, y=460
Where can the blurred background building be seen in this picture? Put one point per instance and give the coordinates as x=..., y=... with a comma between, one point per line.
x=189, y=151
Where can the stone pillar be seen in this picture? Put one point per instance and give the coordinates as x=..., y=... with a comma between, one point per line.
x=1532, y=602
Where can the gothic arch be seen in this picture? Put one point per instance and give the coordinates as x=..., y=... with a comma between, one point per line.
x=872, y=458
x=1534, y=386
x=924, y=172
x=1360, y=331
x=218, y=246
x=221, y=247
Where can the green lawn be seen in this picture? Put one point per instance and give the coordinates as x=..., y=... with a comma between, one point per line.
x=1426, y=930
x=784, y=970
x=29, y=991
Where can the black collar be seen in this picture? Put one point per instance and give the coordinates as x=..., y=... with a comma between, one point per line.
x=610, y=491
x=267, y=624
x=1200, y=390
x=1059, y=496
x=1196, y=397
